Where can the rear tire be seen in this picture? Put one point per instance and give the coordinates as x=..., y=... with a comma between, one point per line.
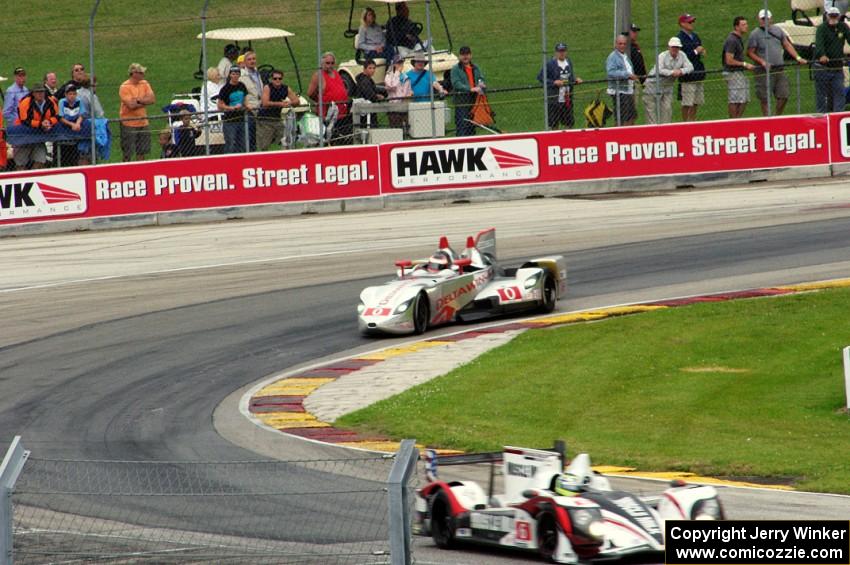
x=442, y=522
x=421, y=314
x=550, y=295
x=547, y=536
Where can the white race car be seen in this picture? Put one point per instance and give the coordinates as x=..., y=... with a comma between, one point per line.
x=467, y=286
x=564, y=516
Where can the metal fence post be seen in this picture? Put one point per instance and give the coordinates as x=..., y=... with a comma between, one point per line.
x=799, y=102
x=545, y=63
x=91, y=86
x=399, y=502
x=320, y=72
x=431, y=67
x=10, y=469
x=846, y=353
x=205, y=97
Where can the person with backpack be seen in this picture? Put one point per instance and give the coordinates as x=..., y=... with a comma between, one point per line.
x=765, y=47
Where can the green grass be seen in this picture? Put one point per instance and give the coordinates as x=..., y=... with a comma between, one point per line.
x=746, y=388
x=504, y=34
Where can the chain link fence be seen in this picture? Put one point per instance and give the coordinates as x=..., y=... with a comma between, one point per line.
x=331, y=511
x=510, y=46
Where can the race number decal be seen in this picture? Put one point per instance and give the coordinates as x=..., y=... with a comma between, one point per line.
x=509, y=294
x=523, y=531
x=376, y=312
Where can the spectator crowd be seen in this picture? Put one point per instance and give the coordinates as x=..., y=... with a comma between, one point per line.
x=59, y=122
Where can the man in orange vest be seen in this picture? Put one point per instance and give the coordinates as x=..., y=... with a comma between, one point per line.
x=39, y=112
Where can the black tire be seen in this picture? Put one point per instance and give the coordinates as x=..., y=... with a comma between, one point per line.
x=348, y=80
x=442, y=522
x=550, y=294
x=547, y=536
x=421, y=314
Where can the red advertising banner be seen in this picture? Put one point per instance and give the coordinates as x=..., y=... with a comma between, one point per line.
x=187, y=184
x=696, y=147
x=474, y=162
x=839, y=137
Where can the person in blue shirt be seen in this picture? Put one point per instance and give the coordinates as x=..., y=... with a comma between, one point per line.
x=692, y=83
x=13, y=96
x=421, y=81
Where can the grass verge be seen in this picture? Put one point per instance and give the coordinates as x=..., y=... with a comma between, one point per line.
x=749, y=388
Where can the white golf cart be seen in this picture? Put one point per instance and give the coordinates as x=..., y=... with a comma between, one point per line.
x=443, y=59
x=239, y=36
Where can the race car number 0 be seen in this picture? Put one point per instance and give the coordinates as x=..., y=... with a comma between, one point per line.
x=376, y=312
x=523, y=531
x=509, y=293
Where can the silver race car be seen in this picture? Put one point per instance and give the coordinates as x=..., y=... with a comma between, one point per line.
x=464, y=286
x=567, y=515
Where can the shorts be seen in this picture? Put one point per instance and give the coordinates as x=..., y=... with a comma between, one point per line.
x=739, y=87
x=779, y=84
x=35, y=152
x=135, y=141
x=692, y=94
x=270, y=130
x=627, y=108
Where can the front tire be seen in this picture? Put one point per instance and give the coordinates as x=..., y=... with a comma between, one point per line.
x=547, y=535
x=442, y=522
x=550, y=295
x=421, y=314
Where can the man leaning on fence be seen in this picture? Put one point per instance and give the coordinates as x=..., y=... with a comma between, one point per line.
x=467, y=84
x=693, y=91
x=830, y=38
x=621, y=82
x=765, y=47
x=660, y=81
x=734, y=67
x=136, y=95
x=39, y=112
x=559, y=77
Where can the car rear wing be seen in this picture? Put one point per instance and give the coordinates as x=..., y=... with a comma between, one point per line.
x=433, y=460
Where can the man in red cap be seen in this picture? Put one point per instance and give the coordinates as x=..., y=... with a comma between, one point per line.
x=691, y=83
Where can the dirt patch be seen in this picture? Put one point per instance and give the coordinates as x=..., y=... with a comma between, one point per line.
x=713, y=369
x=767, y=481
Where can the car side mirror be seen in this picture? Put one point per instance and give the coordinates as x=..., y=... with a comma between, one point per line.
x=463, y=262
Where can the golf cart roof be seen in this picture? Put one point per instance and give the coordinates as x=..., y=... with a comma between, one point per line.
x=247, y=33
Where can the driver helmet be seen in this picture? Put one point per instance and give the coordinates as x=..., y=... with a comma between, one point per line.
x=439, y=261
x=568, y=484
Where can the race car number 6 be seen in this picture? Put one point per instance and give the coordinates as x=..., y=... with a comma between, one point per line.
x=376, y=312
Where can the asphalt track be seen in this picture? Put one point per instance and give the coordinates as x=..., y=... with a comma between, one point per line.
x=121, y=345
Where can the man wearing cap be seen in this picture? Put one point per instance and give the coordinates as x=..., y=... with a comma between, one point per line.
x=635, y=54
x=135, y=94
x=658, y=89
x=231, y=101
x=842, y=5
x=692, y=83
x=830, y=38
x=467, y=84
x=734, y=67
x=231, y=52
x=621, y=82
x=765, y=47
x=421, y=80
x=37, y=111
x=13, y=96
x=559, y=77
